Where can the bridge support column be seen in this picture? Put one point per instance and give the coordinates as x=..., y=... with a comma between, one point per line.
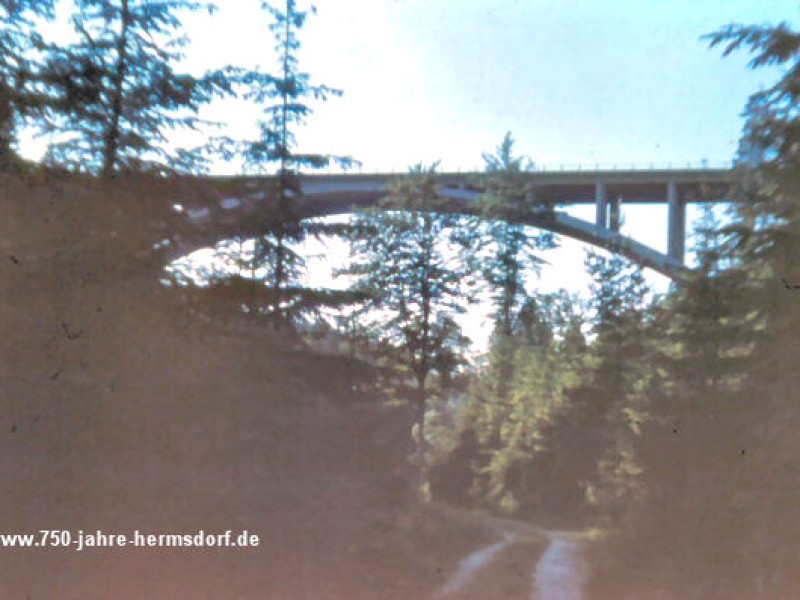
x=530, y=196
x=676, y=232
x=614, y=217
x=601, y=204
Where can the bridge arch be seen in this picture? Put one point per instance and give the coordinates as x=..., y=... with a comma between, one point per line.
x=240, y=206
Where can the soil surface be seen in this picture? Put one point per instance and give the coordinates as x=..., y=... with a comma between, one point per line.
x=124, y=407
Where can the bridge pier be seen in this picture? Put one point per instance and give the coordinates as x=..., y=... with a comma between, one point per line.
x=614, y=217
x=607, y=213
x=530, y=195
x=601, y=205
x=676, y=227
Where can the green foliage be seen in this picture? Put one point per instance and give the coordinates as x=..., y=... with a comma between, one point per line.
x=765, y=234
x=114, y=96
x=512, y=432
x=19, y=44
x=552, y=420
x=284, y=99
x=770, y=46
x=764, y=241
x=411, y=276
x=506, y=254
x=285, y=103
x=505, y=251
x=620, y=361
x=701, y=349
x=720, y=447
x=619, y=305
x=415, y=284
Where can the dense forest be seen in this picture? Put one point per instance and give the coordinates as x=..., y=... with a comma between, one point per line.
x=666, y=421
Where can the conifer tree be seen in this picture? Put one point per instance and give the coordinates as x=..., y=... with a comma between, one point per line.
x=618, y=301
x=115, y=94
x=621, y=356
x=720, y=482
x=699, y=332
x=506, y=253
x=19, y=45
x=764, y=257
x=416, y=287
x=547, y=368
x=506, y=201
x=513, y=443
x=285, y=98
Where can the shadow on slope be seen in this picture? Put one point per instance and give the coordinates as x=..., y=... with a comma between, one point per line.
x=120, y=411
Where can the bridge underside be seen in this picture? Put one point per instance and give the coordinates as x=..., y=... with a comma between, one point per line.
x=242, y=208
x=463, y=201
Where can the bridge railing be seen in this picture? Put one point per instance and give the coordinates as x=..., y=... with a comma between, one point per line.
x=692, y=165
x=699, y=165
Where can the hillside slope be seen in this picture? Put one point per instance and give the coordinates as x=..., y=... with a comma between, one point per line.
x=120, y=410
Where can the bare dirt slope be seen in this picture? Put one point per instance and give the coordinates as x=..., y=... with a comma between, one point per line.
x=120, y=411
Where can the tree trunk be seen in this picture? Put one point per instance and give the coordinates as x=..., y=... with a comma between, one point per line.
x=283, y=199
x=6, y=125
x=421, y=406
x=280, y=275
x=112, y=134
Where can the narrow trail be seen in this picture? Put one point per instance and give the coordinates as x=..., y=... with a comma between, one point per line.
x=559, y=572
x=556, y=574
x=469, y=568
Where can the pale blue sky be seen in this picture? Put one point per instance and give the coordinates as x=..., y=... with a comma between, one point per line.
x=575, y=81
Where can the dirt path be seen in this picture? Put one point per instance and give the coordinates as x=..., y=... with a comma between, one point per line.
x=528, y=562
x=559, y=573
x=470, y=568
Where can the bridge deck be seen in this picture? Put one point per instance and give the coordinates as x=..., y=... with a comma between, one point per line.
x=549, y=187
x=241, y=206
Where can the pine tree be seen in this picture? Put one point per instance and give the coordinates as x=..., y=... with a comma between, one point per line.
x=416, y=286
x=722, y=477
x=618, y=300
x=286, y=98
x=115, y=94
x=19, y=44
x=507, y=254
x=515, y=252
x=519, y=437
x=620, y=357
x=700, y=336
x=765, y=237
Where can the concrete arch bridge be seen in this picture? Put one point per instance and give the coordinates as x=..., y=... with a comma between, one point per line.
x=239, y=206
